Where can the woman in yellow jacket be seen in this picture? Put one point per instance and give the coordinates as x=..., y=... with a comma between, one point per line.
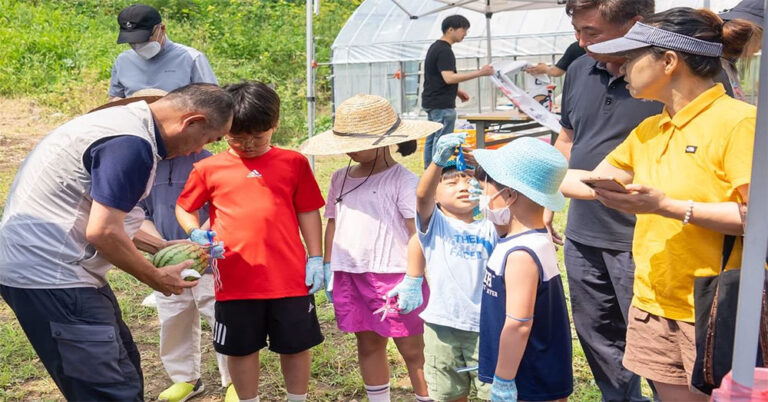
x=687, y=173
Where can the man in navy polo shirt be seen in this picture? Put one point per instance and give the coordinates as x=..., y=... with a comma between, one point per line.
x=70, y=216
x=155, y=62
x=598, y=113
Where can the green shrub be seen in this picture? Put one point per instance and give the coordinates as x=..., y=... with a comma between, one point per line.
x=61, y=52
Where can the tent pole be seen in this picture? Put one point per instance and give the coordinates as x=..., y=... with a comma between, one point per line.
x=492, y=91
x=706, y=4
x=756, y=238
x=310, y=79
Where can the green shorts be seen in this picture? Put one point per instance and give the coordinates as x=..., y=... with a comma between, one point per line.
x=445, y=350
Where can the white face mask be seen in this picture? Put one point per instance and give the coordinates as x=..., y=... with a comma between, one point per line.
x=499, y=216
x=147, y=50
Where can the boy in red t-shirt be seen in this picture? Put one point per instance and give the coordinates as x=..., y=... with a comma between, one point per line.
x=260, y=197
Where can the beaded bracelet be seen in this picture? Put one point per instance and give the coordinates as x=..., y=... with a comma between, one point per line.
x=688, y=213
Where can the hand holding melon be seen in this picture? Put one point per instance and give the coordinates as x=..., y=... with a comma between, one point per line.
x=181, y=252
x=169, y=279
x=187, y=261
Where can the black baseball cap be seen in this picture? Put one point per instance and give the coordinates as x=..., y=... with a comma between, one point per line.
x=136, y=23
x=750, y=10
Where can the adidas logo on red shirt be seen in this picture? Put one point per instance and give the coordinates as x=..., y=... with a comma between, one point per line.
x=253, y=173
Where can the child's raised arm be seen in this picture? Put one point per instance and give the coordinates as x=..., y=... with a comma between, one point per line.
x=521, y=276
x=425, y=194
x=445, y=147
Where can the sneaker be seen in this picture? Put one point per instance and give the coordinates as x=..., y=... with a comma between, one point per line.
x=231, y=394
x=181, y=391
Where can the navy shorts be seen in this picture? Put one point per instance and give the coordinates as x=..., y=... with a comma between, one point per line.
x=243, y=326
x=81, y=338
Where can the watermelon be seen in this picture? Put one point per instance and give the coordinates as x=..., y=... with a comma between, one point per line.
x=147, y=255
x=181, y=252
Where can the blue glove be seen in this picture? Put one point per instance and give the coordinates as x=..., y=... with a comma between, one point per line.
x=445, y=147
x=314, y=274
x=475, y=191
x=408, y=293
x=202, y=237
x=217, y=251
x=503, y=390
x=328, y=274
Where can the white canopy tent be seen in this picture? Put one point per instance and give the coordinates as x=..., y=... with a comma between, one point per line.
x=382, y=45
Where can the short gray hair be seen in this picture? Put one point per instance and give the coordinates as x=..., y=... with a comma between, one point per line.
x=613, y=11
x=210, y=99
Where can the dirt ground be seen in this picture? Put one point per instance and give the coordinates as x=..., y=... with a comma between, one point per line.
x=22, y=123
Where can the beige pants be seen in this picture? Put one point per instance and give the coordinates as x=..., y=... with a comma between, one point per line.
x=180, y=331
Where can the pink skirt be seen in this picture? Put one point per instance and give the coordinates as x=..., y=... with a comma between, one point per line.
x=357, y=296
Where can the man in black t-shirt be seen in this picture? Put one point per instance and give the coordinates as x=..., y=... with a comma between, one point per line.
x=573, y=52
x=441, y=81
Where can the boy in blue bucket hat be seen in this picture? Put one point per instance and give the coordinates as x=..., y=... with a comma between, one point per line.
x=525, y=336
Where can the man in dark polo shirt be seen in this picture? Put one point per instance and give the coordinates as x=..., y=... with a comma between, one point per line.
x=598, y=113
x=441, y=81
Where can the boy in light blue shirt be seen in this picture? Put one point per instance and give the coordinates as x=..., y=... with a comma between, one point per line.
x=455, y=248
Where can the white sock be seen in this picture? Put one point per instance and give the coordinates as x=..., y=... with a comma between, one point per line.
x=377, y=393
x=295, y=397
x=256, y=399
x=420, y=398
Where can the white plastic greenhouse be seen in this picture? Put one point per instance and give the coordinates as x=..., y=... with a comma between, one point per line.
x=380, y=49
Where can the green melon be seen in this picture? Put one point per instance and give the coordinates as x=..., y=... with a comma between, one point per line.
x=181, y=252
x=147, y=255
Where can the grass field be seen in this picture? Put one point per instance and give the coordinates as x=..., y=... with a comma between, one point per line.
x=334, y=369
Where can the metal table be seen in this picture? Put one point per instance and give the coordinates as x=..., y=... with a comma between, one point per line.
x=515, y=120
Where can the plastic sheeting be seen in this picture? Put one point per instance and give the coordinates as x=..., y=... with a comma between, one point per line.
x=380, y=39
x=379, y=31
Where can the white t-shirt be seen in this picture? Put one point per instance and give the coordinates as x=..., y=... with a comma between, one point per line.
x=371, y=235
x=456, y=253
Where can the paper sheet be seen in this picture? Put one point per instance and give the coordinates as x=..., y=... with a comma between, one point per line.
x=523, y=100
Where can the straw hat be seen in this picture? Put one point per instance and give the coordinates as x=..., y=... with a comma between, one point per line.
x=529, y=166
x=148, y=95
x=366, y=122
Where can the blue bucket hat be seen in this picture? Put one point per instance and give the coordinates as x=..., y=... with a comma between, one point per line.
x=529, y=166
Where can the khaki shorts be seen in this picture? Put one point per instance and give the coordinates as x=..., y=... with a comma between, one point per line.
x=660, y=349
x=446, y=349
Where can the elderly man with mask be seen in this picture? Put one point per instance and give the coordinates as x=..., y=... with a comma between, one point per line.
x=153, y=61
x=156, y=62
x=70, y=216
